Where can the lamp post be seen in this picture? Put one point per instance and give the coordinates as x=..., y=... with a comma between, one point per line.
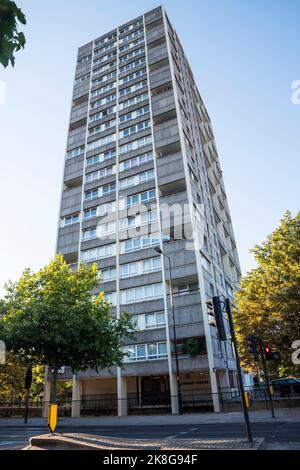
x=159, y=250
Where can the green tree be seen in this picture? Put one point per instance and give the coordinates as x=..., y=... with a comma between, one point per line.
x=268, y=301
x=10, y=39
x=52, y=318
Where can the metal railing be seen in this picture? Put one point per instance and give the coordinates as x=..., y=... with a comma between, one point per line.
x=160, y=403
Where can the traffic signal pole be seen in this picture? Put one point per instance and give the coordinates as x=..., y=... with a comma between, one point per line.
x=239, y=371
x=263, y=359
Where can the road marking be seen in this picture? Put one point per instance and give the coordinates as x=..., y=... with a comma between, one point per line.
x=170, y=437
x=183, y=432
x=193, y=429
x=5, y=443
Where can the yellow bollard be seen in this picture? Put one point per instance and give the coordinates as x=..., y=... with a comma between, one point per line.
x=247, y=399
x=52, y=417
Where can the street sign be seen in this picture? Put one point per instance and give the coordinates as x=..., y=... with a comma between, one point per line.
x=52, y=417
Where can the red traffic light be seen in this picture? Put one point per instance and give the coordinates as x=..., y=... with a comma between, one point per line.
x=267, y=349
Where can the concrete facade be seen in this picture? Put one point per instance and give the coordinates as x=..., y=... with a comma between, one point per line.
x=139, y=131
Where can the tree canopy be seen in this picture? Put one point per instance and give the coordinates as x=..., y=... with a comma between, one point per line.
x=268, y=301
x=52, y=318
x=11, y=39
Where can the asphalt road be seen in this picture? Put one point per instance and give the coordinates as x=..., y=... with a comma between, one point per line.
x=17, y=437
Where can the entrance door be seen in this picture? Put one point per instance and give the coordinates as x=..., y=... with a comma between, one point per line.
x=154, y=391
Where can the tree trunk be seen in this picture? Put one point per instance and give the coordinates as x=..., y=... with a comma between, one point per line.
x=53, y=385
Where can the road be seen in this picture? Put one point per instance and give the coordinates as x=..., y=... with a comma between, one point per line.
x=17, y=437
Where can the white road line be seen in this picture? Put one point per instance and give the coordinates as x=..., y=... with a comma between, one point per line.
x=193, y=429
x=171, y=437
x=183, y=432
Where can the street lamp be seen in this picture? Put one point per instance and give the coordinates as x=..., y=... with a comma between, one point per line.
x=159, y=250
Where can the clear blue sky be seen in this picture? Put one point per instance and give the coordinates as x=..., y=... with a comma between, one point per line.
x=244, y=55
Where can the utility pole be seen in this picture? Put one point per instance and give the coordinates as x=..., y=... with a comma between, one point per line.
x=28, y=382
x=239, y=371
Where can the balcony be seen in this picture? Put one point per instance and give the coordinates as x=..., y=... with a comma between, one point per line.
x=68, y=239
x=163, y=104
x=71, y=201
x=160, y=76
x=157, y=53
x=166, y=136
x=170, y=171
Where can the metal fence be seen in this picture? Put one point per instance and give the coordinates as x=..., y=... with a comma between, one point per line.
x=193, y=401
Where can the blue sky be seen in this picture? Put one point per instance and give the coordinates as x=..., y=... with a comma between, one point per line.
x=244, y=55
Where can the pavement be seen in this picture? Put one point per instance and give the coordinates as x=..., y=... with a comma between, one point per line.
x=281, y=415
x=283, y=432
x=89, y=442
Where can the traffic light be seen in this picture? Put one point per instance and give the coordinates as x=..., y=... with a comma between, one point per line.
x=271, y=356
x=252, y=347
x=214, y=309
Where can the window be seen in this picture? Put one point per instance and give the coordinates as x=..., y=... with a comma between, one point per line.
x=105, y=67
x=133, y=76
x=131, y=26
x=132, y=101
x=82, y=79
x=75, y=152
x=101, y=210
x=99, y=253
x=70, y=220
x=154, y=320
x=103, y=89
x=90, y=233
x=107, y=228
x=90, y=213
x=132, y=44
x=136, y=161
x=111, y=297
x=101, y=157
x=105, y=48
x=106, y=39
x=143, y=293
x=108, y=188
x=129, y=269
x=84, y=59
x=102, y=127
x=132, y=65
x=104, y=58
x=137, y=352
x=89, y=195
x=103, y=101
x=146, y=176
x=108, y=274
x=134, y=244
x=142, y=352
x=132, y=35
x=134, y=114
x=140, y=267
x=96, y=175
x=101, y=191
x=137, y=179
x=104, y=78
x=138, y=198
x=135, y=144
x=104, y=141
x=148, y=217
x=151, y=265
x=128, y=56
x=133, y=88
x=102, y=114
x=127, y=222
